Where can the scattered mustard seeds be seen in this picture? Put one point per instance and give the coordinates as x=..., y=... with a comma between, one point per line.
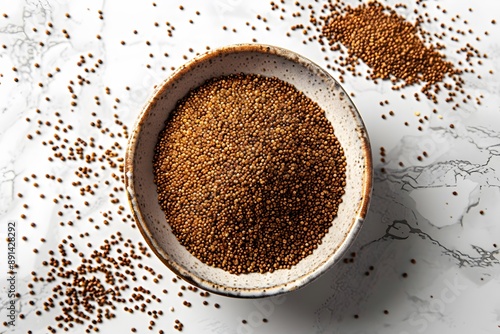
x=388, y=44
x=249, y=173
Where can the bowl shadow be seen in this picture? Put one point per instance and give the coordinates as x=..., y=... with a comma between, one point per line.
x=362, y=284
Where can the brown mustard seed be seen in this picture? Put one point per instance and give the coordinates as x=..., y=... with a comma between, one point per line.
x=249, y=173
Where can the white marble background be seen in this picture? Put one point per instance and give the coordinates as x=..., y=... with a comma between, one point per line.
x=452, y=288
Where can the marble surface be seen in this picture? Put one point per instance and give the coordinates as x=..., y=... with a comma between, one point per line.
x=440, y=210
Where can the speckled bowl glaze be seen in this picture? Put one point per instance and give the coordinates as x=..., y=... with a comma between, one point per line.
x=307, y=77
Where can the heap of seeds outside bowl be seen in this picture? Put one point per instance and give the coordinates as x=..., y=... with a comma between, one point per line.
x=249, y=173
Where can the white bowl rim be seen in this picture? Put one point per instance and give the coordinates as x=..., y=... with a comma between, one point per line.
x=210, y=285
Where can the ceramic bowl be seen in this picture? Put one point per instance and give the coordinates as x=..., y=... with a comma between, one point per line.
x=307, y=77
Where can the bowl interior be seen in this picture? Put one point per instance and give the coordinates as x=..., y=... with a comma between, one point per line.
x=307, y=77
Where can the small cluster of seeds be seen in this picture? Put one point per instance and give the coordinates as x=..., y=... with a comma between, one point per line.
x=90, y=291
x=388, y=44
x=393, y=47
x=249, y=173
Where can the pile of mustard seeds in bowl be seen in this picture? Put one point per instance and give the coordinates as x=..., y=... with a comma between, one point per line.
x=249, y=173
